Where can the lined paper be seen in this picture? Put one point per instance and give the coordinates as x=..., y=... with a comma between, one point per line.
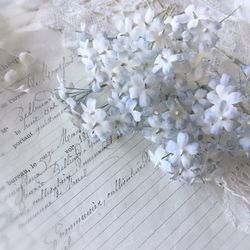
x=61, y=189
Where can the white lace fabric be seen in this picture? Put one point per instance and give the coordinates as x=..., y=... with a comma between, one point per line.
x=67, y=15
x=236, y=183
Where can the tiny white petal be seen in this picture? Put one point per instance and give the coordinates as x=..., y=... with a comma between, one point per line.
x=190, y=9
x=149, y=16
x=193, y=23
x=91, y=103
x=225, y=79
x=216, y=128
x=234, y=98
x=182, y=139
x=192, y=148
x=154, y=121
x=229, y=125
x=137, y=116
x=245, y=142
x=186, y=161
x=171, y=146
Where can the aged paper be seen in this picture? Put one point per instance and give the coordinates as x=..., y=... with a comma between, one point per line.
x=60, y=189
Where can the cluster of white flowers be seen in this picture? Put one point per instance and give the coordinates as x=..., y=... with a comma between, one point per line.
x=154, y=76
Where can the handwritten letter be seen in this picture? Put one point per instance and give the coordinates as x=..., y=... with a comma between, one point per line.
x=62, y=190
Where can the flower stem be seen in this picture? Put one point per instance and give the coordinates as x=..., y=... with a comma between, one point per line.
x=233, y=59
x=166, y=156
x=231, y=14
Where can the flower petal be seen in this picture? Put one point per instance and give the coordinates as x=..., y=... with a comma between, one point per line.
x=186, y=161
x=144, y=99
x=167, y=167
x=213, y=97
x=231, y=112
x=160, y=153
x=71, y=102
x=149, y=16
x=193, y=23
x=190, y=9
x=133, y=92
x=225, y=79
x=167, y=68
x=234, y=98
x=222, y=91
x=128, y=24
x=245, y=142
x=154, y=121
x=156, y=68
x=182, y=139
x=131, y=104
x=176, y=58
x=152, y=158
x=200, y=93
x=91, y=102
x=229, y=125
x=171, y=146
x=216, y=128
x=192, y=148
x=136, y=115
x=100, y=115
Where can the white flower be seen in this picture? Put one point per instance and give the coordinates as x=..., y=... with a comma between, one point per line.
x=160, y=159
x=130, y=108
x=190, y=18
x=94, y=120
x=88, y=54
x=72, y=103
x=165, y=61
x=205, y=36
x=123, y=44
x=148, y=26
x=98, y=78
x=224, y=92
x=159, y=129
x=109, y=61
x=182, y=150
x=61, y=91
x=154, y=32
x=125, y=105
x=195, y=28
x=120, y=82
x=221, y=116
x=121, y=121
x=189, y=175
x=141, y=90
x=200, y=102
x=90, y=107
x=176, y=113
x=101, y=44
x=97, y=125
x=123, y=25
